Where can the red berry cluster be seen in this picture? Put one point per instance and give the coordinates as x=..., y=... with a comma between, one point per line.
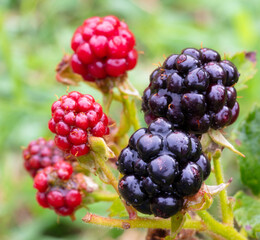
x=74, y=117
x=104, y=47
x=58, y=188
x=40, y=154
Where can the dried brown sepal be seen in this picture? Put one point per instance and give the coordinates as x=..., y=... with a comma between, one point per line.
x=85, y=183
x=106, y=85
x=157, y=234
x=161, y=234
x=204, y=198
x=251, y=56
x=64, y=73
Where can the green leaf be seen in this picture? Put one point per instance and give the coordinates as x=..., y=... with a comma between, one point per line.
x=98, y=145
x=248, y=143
x=219, y=139
x=246, y=66
x=247, y=213
x=117, y=209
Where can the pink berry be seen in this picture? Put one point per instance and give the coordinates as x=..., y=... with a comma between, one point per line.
x=41, y=182
x=73, y=198
x=55, y=198
x=79, y=150
x=74, y=120
x=99, y=130
x=99, y=40
x=131, y=59
x=85, y=54
x=42, y=200
x=99, y=45
x=97, y=69
x=64, y=211
x=115, y=67
x=62, y=142
x=41, y=153
x=64, y=170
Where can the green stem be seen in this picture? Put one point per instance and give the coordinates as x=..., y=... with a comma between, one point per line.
x=139, y=222
x=107, y=171
x=113, y=181
x=110, y=178
x=103, y=196
x=177, y=222
x=132, y=112
x=227, y=214
x=218, y=228
x=107, y=100
x=129, y=118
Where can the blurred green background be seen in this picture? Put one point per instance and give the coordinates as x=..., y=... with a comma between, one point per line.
x=33, y=37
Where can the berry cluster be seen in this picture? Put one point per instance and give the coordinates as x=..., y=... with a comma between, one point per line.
x=40, y=154
x=58, y=188
x=104, y=47
x=194, y=91
x=74, y=117
x=161, y=166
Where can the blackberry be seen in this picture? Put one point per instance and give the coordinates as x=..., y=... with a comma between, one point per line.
x=193, y=90
x=161, y=166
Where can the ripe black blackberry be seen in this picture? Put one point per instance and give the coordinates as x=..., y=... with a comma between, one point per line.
x=161, y=166
x=193, y=90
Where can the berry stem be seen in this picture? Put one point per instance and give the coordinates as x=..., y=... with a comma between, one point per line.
x=177, y=222
x=101, y=161
x=227, y=214
x=103, y=196
x=139, y=222
x=130, y=111
x=107, y=171
x=107, y=100
x=218, y=228
x=129, y=116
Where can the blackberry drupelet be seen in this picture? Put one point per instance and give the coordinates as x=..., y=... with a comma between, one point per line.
x=161, y=166
x=194, y=91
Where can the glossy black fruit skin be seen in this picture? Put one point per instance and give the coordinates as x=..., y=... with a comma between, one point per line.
x=216, y=97
x=192, y=90
x=232, y=74
x=126, y=161
x=190, y=180
x=205, y=166
x=185, y=63
x=130, y=189
x=157, y=164
x=209, y=55
x=198, y=79
x=149, y=145
x=163, y=170
x=166, y=207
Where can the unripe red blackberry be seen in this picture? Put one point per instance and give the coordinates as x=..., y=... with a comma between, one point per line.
x=59, y=188
x=103, y=47
x=75, y=117
x=61, y=170
x=161, y=166
x=194, y=91
x=40, y=154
